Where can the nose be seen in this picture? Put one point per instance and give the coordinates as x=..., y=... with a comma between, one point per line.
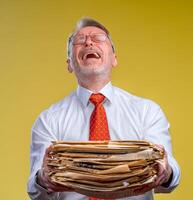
x=88, y=41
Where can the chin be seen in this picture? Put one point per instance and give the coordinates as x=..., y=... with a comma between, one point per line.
x=93, y=70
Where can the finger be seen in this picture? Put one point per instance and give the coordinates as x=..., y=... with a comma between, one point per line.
x=161, y=172
x=159, y=179
x=160, y=146
x=160, y=167
x=144, y=189
x=58, y=188
x=44, y=164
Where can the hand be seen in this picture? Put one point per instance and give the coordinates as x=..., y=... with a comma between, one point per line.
x=144, y=188
x=164, y=169
x=44, y=179
x=163, y=175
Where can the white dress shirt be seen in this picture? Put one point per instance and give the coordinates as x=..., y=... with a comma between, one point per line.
x=129, y=118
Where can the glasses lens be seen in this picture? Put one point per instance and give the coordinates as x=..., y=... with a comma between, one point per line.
x=98, y=37
x=79, y=39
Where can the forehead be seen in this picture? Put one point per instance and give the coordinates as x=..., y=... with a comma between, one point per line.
x=89, y=30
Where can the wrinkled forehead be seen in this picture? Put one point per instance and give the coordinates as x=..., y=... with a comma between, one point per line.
x=89, y=30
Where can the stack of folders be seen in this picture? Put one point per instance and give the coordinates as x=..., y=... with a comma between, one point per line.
x=104, y=169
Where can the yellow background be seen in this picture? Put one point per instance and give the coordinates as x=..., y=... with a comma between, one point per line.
x=154, y=45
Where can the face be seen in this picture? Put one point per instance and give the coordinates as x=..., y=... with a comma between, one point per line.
x=92, y=53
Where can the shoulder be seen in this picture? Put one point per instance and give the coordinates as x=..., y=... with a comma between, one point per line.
x=142, y=104
x=58, y=108
x=63, y=103
x=147, y=109
x=133, y=99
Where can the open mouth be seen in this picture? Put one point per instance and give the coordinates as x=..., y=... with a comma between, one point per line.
x=88, y=55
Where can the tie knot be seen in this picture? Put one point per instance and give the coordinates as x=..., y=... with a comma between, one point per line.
x=97, y=98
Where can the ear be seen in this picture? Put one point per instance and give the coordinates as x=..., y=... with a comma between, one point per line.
x=70, y=69
x=114, y=63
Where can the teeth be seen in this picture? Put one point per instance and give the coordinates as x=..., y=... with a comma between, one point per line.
x=97, y=55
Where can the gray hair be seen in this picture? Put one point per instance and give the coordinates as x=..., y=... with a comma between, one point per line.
x=84, y=22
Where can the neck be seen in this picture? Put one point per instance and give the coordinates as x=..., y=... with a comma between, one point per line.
x=95, y=84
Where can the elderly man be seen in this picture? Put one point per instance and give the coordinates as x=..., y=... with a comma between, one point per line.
x=91, y=56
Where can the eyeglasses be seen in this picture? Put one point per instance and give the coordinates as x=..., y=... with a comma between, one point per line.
x=81, y=39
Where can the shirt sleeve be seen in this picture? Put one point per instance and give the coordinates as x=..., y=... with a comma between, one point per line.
x=41, y=137
x=156, y=130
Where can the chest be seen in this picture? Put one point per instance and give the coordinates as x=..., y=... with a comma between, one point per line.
x=123, y=122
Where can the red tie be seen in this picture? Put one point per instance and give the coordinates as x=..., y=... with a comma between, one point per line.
x=98, y=123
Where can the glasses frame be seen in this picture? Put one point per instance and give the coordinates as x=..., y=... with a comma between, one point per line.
x=91, y=36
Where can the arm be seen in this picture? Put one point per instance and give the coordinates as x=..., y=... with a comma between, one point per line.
x=39, y=187
x=156, y=130
x=43, y=178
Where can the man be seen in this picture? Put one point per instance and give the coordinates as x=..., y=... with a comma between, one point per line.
x=91, y=57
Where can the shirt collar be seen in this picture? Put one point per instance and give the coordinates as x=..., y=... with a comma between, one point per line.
x=84, y=94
